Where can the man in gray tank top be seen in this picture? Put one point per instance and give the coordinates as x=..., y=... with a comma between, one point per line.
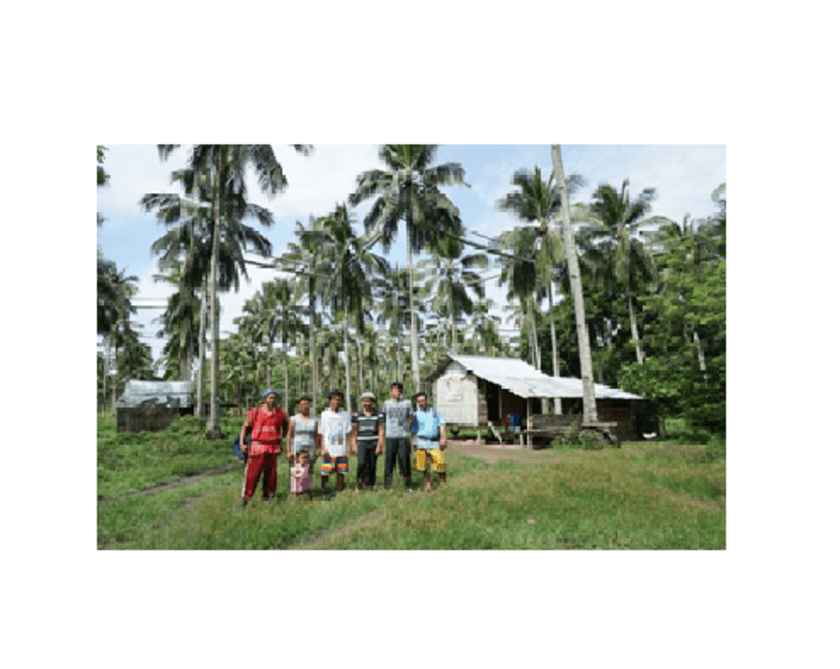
x=301, y=434
x=397, y=442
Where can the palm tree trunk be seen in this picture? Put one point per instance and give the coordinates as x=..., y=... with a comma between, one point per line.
x=535, y=341
x=360, y=348
x=701, y=359
x=286, y=401
x=590, y=412
x=202, y=345
x=116, y=381
x=105, y=367
x=213, y=425
x=348, y=396
x=313, y=365
x=415, y=362
x=554, y=359
x=634, y=330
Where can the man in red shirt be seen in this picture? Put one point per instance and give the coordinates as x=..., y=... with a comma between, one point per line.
x=266, y=423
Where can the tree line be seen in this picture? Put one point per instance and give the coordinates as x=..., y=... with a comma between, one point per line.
x=649, y=316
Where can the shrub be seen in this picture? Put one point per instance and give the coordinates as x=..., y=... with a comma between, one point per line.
x=590, y=440
x=572, y=436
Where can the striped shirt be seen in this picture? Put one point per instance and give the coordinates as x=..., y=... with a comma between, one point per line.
x=368, y=427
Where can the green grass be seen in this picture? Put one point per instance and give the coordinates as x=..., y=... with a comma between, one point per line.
x=128, y=462
x=642, y=496
x=597, y=499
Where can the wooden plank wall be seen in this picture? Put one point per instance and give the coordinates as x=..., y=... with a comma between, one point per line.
x=482, y=400
x=152, y=419
x=621, y=412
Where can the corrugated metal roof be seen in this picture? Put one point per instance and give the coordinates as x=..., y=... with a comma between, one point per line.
x=523, y=380
x=174, y=393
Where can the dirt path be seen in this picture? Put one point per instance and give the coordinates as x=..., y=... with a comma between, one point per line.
x=176, y=483
x=492, y=453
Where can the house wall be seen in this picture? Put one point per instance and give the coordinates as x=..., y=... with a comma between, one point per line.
x=145, y=419
x=457, y=396
x=622, y=412
x=482, y=401
x=513, y=404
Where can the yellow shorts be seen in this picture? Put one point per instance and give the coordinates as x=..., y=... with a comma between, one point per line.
x=436, y=456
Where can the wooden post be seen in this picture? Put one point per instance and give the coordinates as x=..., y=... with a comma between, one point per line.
x=528, y=419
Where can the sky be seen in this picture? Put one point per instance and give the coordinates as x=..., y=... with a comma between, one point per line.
x=684, y=177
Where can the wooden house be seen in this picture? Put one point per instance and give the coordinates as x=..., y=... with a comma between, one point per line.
x=477, y=391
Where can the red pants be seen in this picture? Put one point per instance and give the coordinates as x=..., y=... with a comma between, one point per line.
x=265, y=465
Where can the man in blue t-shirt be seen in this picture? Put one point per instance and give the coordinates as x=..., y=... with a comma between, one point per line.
x=427, y=423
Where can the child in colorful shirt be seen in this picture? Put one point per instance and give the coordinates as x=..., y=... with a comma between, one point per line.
x=299, y=477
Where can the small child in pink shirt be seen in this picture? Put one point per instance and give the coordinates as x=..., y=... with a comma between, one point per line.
x=299, y=477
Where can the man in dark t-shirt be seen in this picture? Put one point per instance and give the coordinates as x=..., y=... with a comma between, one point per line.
x=368, y=437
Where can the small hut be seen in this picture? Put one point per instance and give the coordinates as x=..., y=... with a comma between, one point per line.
x=481, y=391
x=152, y=405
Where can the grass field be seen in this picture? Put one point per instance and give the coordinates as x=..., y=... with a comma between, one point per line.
x=642, y=496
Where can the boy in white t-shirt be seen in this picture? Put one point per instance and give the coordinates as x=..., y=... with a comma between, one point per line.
x=334, y=431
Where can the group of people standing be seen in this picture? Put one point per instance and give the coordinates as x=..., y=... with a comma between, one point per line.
x=336, y=435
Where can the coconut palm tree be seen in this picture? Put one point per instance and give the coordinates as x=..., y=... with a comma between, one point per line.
x=485, y=328
x=305, y=259
x=394, y=313
x=180, y=322
x=590, y=411
x=349, y=280
x=519, y=272
x=409, y=190
x=449, y=277
x=538, y=201
x=228, y=165
x=188, y=241
x=114, y=291
x=290, y=324
x=612, y=228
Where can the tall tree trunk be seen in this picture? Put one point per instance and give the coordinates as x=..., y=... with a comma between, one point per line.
x=535, y=353
x=360, y=348
x=346, y=326
x=106, y=366
x=415, y=361
x=202, y=352
x=558, y=409
x=590, y=411
x=213, y=426
x=184, y=366
x=286, y=403
x=701, y=359
x=634, y=330
x=313, y=363
x=116, y=374
x=555, y=362
x=374, y=369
